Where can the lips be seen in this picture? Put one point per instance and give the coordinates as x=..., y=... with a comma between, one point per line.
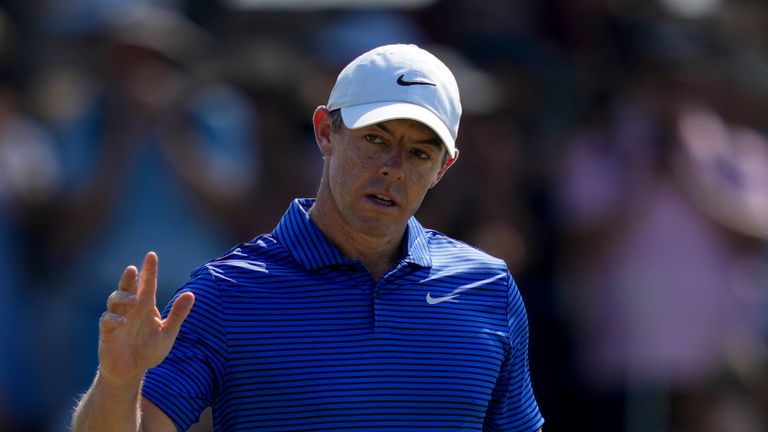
x=382, y=200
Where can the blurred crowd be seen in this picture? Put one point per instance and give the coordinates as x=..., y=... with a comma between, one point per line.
x=613, y=152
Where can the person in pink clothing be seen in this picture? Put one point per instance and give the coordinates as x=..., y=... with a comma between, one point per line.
x=665, y=207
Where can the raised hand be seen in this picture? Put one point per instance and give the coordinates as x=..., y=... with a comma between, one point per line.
x=133, y=337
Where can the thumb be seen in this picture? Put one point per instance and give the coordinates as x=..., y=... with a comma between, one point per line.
x=179, y=311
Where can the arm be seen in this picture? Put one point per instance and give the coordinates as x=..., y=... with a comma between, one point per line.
x=132, y=339
x=513, y=406
x=106, y=402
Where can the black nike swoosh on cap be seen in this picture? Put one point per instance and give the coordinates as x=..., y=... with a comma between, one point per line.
x=403, y=82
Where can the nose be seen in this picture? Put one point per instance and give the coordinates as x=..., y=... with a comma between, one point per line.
x=392, y=166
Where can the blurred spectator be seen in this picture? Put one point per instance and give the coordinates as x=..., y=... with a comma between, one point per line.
x=29, y=178
x=155, y=158
x=665, y=211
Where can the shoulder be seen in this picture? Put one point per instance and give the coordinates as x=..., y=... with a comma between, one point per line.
x=464, y=267
x=447, y=251
x=243, y=262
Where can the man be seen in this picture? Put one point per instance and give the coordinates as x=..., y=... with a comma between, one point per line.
x=349, y=315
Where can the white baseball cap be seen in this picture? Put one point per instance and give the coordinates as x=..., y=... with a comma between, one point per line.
x=399, y=82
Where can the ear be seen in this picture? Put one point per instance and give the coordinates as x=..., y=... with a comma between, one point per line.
x=448, y=162
x=322, y=122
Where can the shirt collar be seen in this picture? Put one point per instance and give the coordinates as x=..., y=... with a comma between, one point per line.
x=303, y=239
x=417, y=248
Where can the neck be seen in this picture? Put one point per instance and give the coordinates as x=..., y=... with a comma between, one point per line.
x=378, y=252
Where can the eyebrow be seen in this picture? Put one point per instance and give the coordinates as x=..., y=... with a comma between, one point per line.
x=435, y=142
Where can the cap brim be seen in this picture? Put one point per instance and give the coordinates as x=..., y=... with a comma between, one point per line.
x=359, y=116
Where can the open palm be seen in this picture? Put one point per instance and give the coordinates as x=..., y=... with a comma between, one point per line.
x=133, y=336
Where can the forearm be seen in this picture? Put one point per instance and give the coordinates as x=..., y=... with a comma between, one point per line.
x=109, y=406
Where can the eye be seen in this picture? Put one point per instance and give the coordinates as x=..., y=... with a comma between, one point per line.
x=421, y=154
x=375, y=139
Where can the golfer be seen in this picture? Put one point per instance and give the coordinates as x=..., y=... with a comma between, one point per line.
x=349, y=316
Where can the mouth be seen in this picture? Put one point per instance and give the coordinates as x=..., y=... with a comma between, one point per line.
x=381, y=200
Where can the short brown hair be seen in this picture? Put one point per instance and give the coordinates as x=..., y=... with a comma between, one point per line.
x=337, y=121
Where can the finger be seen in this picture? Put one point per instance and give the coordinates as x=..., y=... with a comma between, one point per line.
x=110, y=321
x=119, y=302
x=148, y=279
x=179, y=312
x=128, y=280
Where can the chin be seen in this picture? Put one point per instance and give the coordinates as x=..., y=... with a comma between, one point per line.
x=380, y=225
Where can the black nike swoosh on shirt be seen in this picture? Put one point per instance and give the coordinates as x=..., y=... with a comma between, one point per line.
x=403, y=82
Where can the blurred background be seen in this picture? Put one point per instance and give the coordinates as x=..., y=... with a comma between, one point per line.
x=613, y=152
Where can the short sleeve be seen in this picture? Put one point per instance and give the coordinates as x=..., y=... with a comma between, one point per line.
x=513, y=407
x=185, y=383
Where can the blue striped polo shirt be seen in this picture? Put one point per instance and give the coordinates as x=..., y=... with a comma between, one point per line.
x=287, y=334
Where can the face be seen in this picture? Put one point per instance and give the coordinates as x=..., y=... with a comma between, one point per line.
x=377, y=176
